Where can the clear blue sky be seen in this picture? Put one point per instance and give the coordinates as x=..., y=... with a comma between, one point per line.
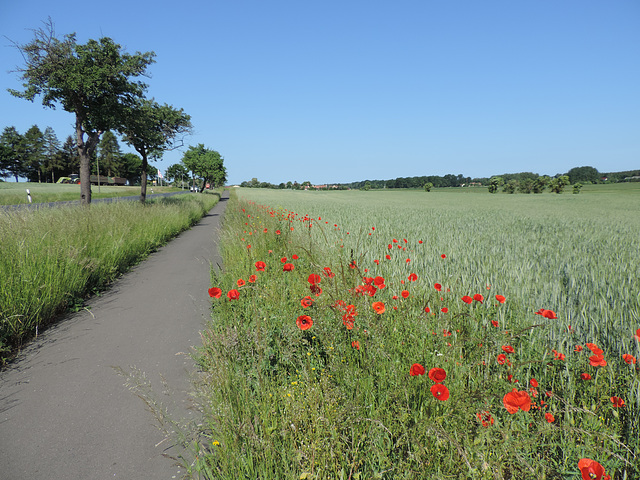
x=341, y=91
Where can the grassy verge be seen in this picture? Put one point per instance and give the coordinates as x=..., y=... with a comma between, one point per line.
x=412, y=335
x=52, y=259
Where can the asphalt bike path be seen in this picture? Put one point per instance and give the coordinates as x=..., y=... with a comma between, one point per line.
x=66, y=409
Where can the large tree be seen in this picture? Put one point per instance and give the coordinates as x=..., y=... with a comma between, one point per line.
x=205, y=165
x=152, y=128
x=11, y=153
x=34, y=152
x=92, y=81
x=109, y=154
x=52, y=157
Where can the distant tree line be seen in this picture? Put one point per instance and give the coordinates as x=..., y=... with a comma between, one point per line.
x=40, y=157
x=523, y=182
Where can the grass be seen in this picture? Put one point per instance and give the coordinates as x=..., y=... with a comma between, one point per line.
x=12, y=193
x=51, y=259
x=337, y=400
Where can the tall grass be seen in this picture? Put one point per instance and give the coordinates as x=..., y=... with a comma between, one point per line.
x=339, y=402
x=51, y=259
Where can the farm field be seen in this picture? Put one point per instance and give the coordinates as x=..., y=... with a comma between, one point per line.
x=12, y=193
x=450, y=334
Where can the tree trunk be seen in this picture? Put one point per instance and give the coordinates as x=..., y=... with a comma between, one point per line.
x=143, y=177
x=84, y=152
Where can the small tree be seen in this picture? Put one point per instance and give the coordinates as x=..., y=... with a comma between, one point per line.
x=428, y=186
x=540, y=184
x=557, y=184
x=152, y=128
x=510, y=186
x=205, y=165
x=92, y=81
x=177, y=172
x=576, y=188
x=495, y=183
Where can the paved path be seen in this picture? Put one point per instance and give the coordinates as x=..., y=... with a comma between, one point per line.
x=65, y=412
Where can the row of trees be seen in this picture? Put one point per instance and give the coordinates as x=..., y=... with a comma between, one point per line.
x=40, y=157
x=97, y=82
x=528, y=184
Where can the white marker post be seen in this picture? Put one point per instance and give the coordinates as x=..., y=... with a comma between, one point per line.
x=28, y=195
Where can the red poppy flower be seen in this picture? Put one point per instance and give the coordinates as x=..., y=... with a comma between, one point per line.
x=630, y=359
x=637, y=335
x=378, y=281
x=495, y=323
x=240, y=282
x=378, y=307
x=438, y=287
x=252, y=279
x=233, y=294
x=597, y=361
x=328, y=272
x=594, y=349
x=288, y=267
x=416, y=369
x=294, y=257
x=306, y=302
x=304, y=322
x=558, y=355
x=467, y=299
x=478, y=298
x=315, y=289
x=277, y=232
x=617, y=402
x=388, y=257
x=413, y=277
x=444, y=309
x=283, y=259
x=547, y=313
x=314, y=278
x=260, y=266
x=356, y=344
x=500, y=298
x=502, y=358
x=485, y=418
x=515, y=400
x=440, y=392
x=437, y=375
x=549, y=417
x=585, y=376
x=578, y=348
x=533, y=382
x=443, y=256
x=507, y=349
x=590, y=469
x=215, y=292
x=405, y=294
x=427, y=310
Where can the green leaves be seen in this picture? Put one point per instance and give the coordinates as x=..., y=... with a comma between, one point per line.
x=205, y=164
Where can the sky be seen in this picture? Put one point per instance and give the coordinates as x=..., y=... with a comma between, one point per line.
x=337, y=91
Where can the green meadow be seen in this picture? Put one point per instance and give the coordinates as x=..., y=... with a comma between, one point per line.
x=405, y=334
x=12, y=193
x=51, y=259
